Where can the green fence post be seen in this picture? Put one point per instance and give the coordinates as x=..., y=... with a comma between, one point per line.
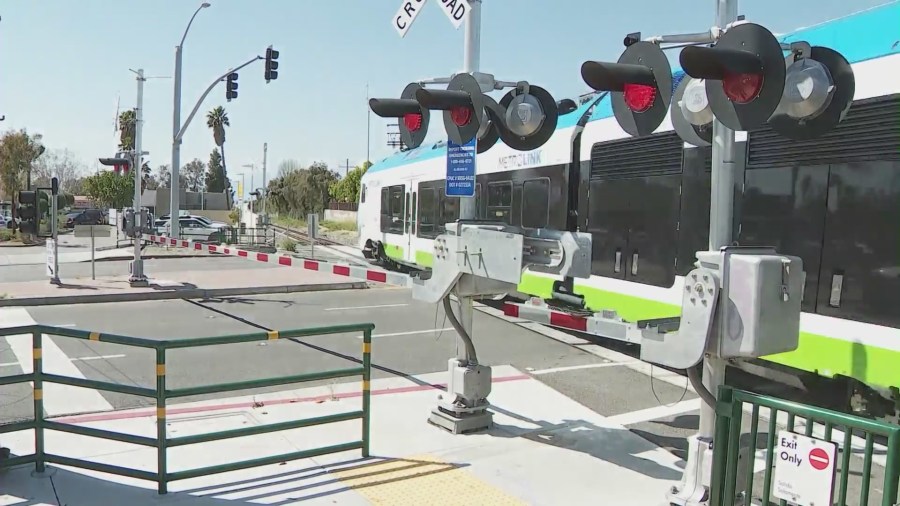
x=892, y=470
x=37, y=373
x=161, y=420
x=366, y=393
x=720, y=447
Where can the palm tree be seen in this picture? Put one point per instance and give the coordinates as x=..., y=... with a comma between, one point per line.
x=217, y=120
x=127, y=121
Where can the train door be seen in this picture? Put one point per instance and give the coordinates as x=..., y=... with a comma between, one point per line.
x=411, y=223
x=633, y=207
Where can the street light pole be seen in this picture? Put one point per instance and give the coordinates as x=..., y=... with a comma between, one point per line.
x=264, y=185
x=175, y=195
x=137, y=267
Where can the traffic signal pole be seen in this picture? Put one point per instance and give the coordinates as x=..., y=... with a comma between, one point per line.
x=137, y=277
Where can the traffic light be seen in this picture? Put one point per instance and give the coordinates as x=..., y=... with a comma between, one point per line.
x=415, y=118
x=640, y=85
x=27, y=211
x=271, y=64
x=231, y=86
x=122, y=163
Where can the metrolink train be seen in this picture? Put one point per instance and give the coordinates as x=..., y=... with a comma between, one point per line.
x=834, y=201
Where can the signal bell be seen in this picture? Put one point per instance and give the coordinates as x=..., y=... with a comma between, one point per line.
x=413, y=117
x=529, y=118
x=744, y=73
x=818, y=91
x=640, y=85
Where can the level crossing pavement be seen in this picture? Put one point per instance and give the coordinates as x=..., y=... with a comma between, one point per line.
x=412, y=339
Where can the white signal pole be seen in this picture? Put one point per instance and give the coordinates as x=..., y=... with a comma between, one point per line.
x=137, y=277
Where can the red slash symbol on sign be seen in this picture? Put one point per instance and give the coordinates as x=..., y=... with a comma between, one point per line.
x=818, y=458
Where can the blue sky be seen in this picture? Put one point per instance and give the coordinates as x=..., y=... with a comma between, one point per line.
x=64, y=63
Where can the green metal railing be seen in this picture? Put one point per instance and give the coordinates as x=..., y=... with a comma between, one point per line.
x=728, y=488
x=161, y=393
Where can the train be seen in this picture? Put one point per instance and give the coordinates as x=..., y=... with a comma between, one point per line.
x=834, y=201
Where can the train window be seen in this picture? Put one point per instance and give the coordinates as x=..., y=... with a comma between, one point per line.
x=536, y=203
x=392, y=209
x=859, y=276
x=362, y=195
x=449, y=210
x=785, y=208
x=499, y=201
x=428, y=205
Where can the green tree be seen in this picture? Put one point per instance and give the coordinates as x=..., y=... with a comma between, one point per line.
x=194, y=175
x=18, y=153
x=110, y=190
x=298, y=192
x=216, y=179
x=127, y=122
x=217, y=120
x=347, y=189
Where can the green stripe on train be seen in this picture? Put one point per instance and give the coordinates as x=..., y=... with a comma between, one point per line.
x=816, y=353
x=393, y=251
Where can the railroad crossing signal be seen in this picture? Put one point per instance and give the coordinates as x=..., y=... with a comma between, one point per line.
x=413, y=117
x=525, y=118
x=271, y=65
x=743, y=80
x=231, y=86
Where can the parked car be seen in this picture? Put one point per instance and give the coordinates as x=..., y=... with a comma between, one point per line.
x=192, y=228
x=85, y=217
x=202, y=219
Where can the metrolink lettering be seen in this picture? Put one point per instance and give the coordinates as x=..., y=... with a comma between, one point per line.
x=520, y=159
x=787, y=456
x=455, y=8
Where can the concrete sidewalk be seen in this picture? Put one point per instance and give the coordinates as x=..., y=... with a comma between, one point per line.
x=174, y=285
x=545, y=449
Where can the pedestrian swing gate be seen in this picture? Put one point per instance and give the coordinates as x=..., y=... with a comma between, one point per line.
x=731, y=487
x=162, y=394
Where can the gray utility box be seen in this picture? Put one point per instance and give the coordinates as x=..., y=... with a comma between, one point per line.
x=761, y=305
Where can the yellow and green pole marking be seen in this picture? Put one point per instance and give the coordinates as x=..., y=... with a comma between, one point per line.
x=37, y=371
x=366, y=390
x=162, y=482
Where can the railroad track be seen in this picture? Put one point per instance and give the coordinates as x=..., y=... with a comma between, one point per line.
x=304, y=237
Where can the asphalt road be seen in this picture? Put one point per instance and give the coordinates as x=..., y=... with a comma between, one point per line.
x=37, y=272
x=410, y=338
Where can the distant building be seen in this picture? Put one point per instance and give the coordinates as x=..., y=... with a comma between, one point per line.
x=158, y=201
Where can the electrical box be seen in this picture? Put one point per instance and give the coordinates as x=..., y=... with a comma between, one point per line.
x=760, y=308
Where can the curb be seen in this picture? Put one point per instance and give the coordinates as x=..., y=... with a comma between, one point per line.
x=194, y=293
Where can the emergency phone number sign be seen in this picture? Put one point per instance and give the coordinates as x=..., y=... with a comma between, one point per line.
x=804, y=469
x=461, y=169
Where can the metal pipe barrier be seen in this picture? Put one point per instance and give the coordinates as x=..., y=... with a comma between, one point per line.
x=162, y=394
x=727, y=488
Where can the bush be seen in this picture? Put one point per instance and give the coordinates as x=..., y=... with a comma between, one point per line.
x=7, y=234
x=339, y=225
x=289, y=244
x=289, y=222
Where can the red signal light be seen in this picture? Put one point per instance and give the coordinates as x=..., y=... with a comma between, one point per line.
x=639, y=97
x=413, y=121
x=461, y=115
x=742, y=88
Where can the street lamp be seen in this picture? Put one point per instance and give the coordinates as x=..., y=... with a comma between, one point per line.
x=176, y=127
x=252, y=168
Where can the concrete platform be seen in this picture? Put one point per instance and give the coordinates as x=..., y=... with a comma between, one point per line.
x=174, y=285
x=544, y=449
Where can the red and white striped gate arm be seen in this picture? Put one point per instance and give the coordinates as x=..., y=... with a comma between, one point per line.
x=537, y=311
x=352, y=271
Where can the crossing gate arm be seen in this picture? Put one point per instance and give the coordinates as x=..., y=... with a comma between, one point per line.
x=338, y=269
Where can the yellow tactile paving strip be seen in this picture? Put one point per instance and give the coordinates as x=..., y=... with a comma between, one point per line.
x=421, y=480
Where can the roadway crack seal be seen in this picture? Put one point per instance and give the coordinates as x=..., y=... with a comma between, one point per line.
x=193, y=293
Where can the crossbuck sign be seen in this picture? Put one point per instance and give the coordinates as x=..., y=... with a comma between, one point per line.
x=455, y=10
